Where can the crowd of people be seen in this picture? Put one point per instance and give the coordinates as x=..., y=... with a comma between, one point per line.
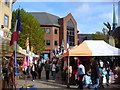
x=92, y=75
x=35, y=69
x=84, y=73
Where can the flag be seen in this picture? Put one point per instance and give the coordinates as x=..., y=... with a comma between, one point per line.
x=58, y=50
x=55, y=52
x=14, y=39
x=25, y=64
x=68, y=43
x=27, y=45
x=17, y=29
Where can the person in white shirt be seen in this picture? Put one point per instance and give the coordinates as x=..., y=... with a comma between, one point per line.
x=54, y=70
x=81, y=73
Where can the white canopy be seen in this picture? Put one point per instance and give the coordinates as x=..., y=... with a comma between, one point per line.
x=94, y=48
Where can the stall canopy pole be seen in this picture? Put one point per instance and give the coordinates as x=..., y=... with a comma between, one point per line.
x=68, y=80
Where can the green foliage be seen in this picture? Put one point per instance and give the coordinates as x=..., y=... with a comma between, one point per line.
x=30, y=28
x=100, y=36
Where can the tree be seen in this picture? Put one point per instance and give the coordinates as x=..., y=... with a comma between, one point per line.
x=110, y=34
x=108, y=27
x=100, y=36
x=30, y=28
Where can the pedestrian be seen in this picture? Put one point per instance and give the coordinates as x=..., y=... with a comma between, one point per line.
x=94, y=74
x=101, y=77
x=107, y=67
x=54, y=70
x=39, y=69
x=33, y=71
x=47, y=69
x=81, y=73
x=5, y=72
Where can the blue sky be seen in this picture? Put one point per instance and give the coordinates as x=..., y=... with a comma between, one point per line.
x=88, y=15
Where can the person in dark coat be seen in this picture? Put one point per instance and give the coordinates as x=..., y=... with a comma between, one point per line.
x=39, y=69
x=33, y=71
x=94, y=73
x=47, y=69
x=107, y=67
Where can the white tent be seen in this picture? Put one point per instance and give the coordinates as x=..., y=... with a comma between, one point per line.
x=94, y=48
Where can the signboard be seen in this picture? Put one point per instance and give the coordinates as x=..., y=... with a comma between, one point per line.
x=46, y=56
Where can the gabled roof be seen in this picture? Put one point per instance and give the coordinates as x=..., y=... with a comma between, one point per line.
x=45, y=18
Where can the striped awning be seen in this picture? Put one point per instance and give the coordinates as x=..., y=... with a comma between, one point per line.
x=7, y=50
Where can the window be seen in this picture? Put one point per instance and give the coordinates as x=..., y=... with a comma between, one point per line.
x=47, y=30
x=70, y=31
x=7, y=3
x=48, y=42
x=6, y=20
x=55, y=32
x=55, y=43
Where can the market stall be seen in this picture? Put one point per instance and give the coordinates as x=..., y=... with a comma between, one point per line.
x=94, y=48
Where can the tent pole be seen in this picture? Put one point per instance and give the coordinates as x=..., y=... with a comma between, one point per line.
x=68, y=79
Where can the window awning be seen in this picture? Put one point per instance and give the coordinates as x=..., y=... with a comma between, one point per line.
x=7, y=50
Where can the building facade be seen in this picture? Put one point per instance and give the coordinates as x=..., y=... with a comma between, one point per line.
x=5, y=26
x=82, y=37
x=57, y=31
x=5, y=18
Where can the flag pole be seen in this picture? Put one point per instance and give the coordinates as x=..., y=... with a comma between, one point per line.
x=15, y=62
x=68, y=80
x=15, y=55
x=13, y=41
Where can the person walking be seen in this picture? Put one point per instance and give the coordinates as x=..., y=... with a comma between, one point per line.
x=54, y=70
x=94, y=74
x=47, y=69
x=107, y=67
x=33, y=71
x=101, y=77
x=39, y=69
x=81, y=73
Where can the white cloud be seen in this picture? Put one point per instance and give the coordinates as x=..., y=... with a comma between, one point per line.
x=104, y=16
x=107, y=16
x=84, y=9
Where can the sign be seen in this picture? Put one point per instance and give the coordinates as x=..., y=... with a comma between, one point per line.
x=46, y=56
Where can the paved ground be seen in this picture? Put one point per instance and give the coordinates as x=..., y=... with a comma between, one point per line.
x=53, y=84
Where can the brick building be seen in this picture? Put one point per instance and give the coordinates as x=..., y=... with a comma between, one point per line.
x=82, y=37
x=57, y=30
